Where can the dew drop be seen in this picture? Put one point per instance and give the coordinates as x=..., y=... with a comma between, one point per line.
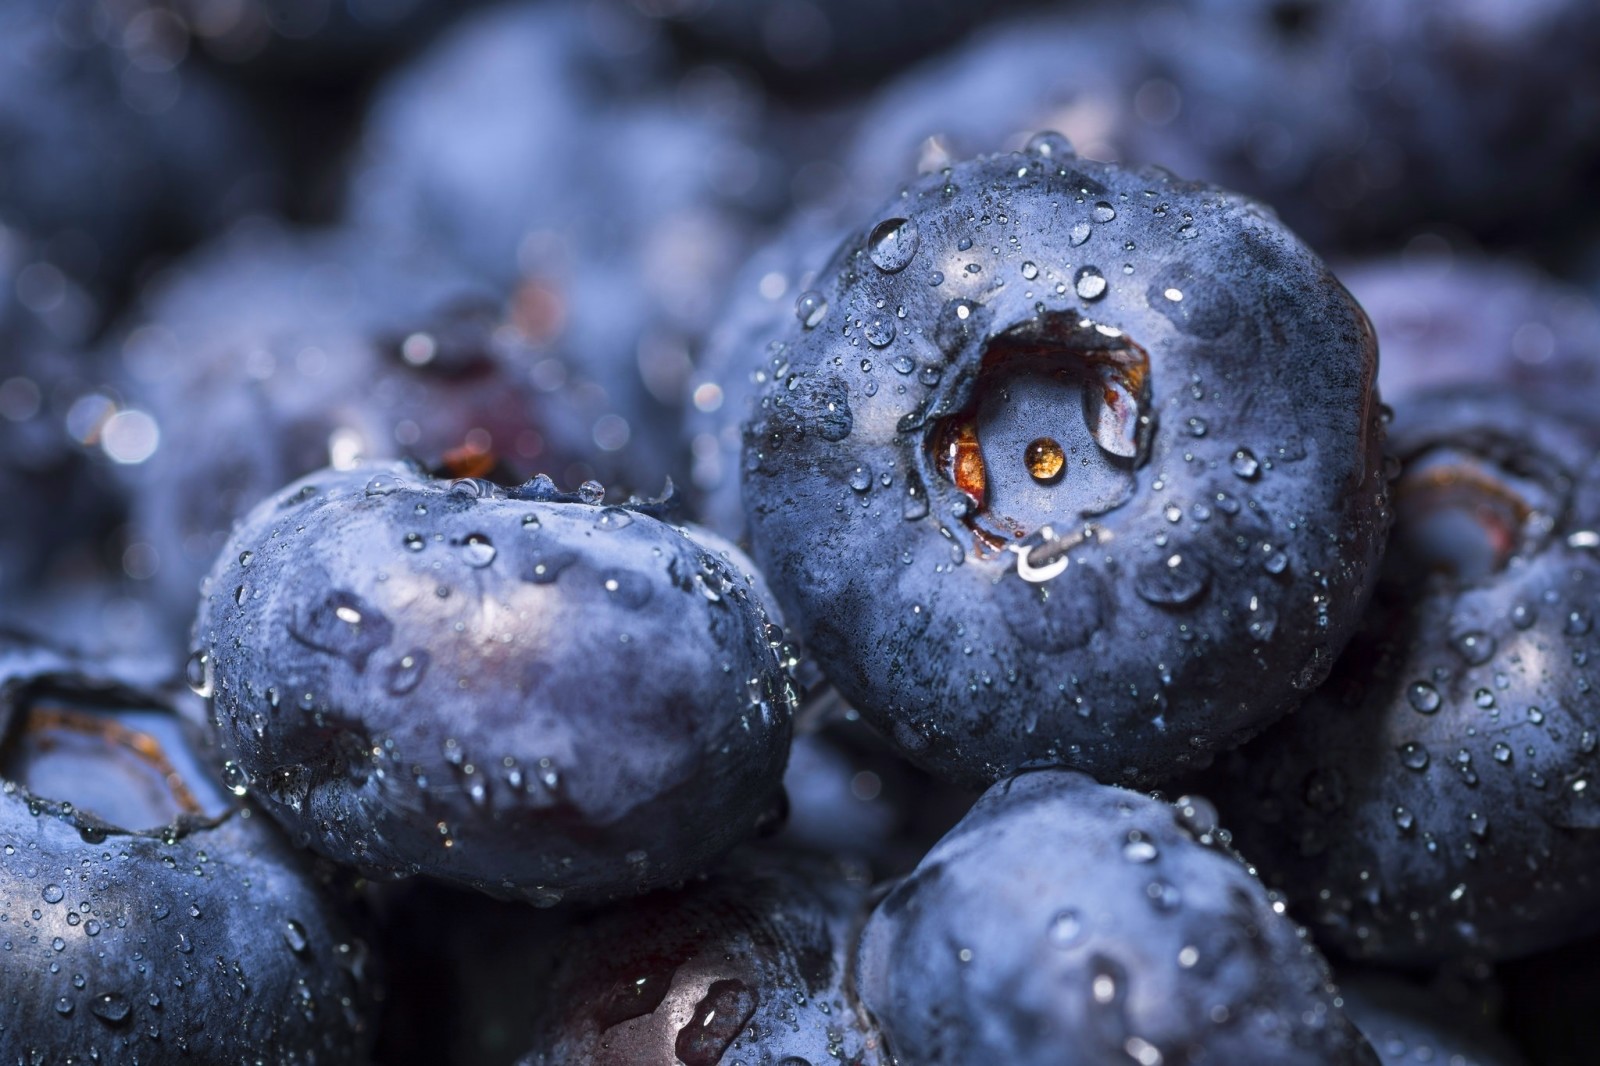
x=1045, y=459
x=112, y=1008
x=1245, y=465
x=1066, y=929
x=1090, y=283
x=1413, y=756
x=478, y=551
x=1103, y=212
x=1030, y=270
x=1475, y=647
x=893, y=244
x=294, y=934
x=1173, y=580
x=53, y=893
x=880, y=331
x=1423, y=697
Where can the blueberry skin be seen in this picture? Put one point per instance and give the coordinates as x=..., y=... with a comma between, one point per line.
x=749, y=965
x=1200, y=563
x=1065, y=921
x=521, y=692
x=1435, y=798
x=203, y=940
x=1408, y=1024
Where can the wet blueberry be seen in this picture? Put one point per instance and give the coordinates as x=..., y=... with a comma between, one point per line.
x=274, y=353
x=749, y=965
x=1124, y=497
x=1437, y=797
x=1063, y=920
x=1452, y=320
x=146, y=915
x=527, y=692
x=1409, y=1023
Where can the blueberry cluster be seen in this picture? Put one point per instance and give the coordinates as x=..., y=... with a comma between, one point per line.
x=774, y=533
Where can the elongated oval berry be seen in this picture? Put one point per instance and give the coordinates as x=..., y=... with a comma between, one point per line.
x=541, y=697
x=1065, y=921
x=1125, y=496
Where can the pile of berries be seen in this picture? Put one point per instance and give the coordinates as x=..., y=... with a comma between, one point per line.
x=778, y=532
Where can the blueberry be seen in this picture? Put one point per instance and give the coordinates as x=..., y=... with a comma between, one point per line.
x=273, y=353
x=741, y=353
x=1063, y=920
x=1455, y=319
x=750, y=965
x=148, y=917
x=1408, y=1023
x=1437, y=797
x=113, y=148
x=1123, y=498
x=826, y=47
x=540, y=697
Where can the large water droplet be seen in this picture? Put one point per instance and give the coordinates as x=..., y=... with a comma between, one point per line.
x=810, y=308
x=893, y=244
x=718, y=1020
x=879, y=331
x=1245, y=464
x=198, y=673
x=1050, y=145
x=1173, y=580
x=1044, y=459
x=53, y=893
x=1423, y=697
x=1413, y=756
x=1090, y=283
x=112, y=1008
x=1111, y=409
x=1103, y=212
x=342, y=624
x=478, y=551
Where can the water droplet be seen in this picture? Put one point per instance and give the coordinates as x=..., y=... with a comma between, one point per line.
x=893, y=244
x=235, y=778
x=1090, y=283
x=1045, y=459
x=1103, y=212
x=879, y=331
x=245, y=557
x=1030, y=270
x=810, y=308
x=53, y=893
x=415, y=542
x=383, y=485
x=1245, y=464
x=1066, y=929
x=1080, y=232
x=1138, y=849
x=478, y=551
x=1475, y=647
x=1173, y=580
x=718, y=1020
x=591, y=492
x=612, y=519
x=1423, y=697
x=1501, y=753
x=63, y=1006
x=1050, y=145
x=342, y=624
x=198, y=673
x=110, y=1007
x=294, y=934
x=1413, y=756
x=1404, y=820
x=861, y=479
